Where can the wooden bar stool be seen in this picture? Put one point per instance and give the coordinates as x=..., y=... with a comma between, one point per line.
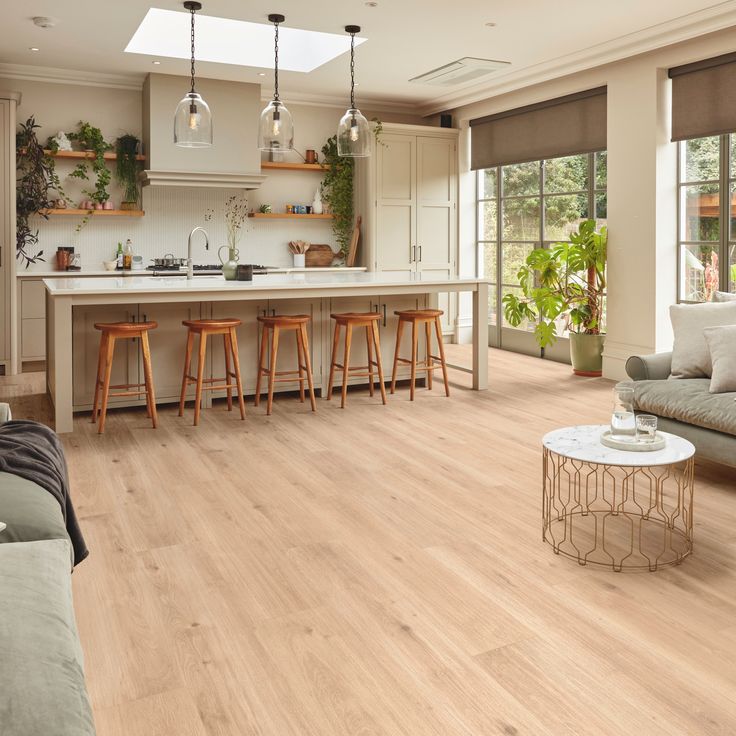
x=369, y=320
x=417, y=317
x=204, y=328
x=274, y=325
x=112, y=331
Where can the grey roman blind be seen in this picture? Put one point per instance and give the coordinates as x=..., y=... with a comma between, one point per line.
x=561, y=127
x=704, y=98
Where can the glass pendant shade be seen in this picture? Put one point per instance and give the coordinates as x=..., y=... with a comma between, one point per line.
x=193, y=122
x=276, y=131
x=354, y=135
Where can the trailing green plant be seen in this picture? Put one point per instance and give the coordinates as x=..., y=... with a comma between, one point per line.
x=126, y=168
x=337, y=191
x=90, y=138
x=566, y=280
x=36, y=180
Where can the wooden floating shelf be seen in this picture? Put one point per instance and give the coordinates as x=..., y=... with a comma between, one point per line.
x=94, y=213
x=287, y=216
x=285, y=166
x=108, y=156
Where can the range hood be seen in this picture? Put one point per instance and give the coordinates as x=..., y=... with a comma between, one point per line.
x=232, y=162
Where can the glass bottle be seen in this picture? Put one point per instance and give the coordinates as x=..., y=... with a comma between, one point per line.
x=128, y=255
x=623, y=421
x=119, y=257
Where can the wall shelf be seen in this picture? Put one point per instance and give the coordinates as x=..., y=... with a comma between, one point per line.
x=286, y=166
x=287, y=216
x=109, y=155
x=94, y=213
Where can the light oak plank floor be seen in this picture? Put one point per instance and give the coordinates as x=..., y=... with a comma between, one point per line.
x=380, y=570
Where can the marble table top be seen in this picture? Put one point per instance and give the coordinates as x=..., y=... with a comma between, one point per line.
x=582, y=442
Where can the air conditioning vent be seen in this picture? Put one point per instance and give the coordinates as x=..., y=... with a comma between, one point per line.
x=463, y=70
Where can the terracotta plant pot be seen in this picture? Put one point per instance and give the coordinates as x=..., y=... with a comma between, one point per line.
x=586, y=353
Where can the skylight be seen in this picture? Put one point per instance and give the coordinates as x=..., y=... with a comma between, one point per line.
x=165, y=33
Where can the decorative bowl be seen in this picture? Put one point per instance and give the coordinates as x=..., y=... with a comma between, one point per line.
x=110, y=265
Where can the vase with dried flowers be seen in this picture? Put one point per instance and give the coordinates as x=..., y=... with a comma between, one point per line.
x=236, y=210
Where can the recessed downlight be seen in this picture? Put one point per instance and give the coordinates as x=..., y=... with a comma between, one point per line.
x=490, y=24
x=33, y=48
x=261, y=74
x=156, y=62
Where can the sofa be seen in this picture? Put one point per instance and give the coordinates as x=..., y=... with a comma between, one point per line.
x=685, y=406
x=42, y=687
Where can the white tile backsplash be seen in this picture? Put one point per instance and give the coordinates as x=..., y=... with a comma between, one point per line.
x=171, y=212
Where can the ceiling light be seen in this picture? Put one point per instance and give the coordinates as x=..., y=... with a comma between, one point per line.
x=192, y=120
x=156, y=63
x=353, y=132
x=34, y=48
x=261, y=74
x=490, y=24
x=162, y=34
x=43, y=21
x=276, y=130
x=371, y=4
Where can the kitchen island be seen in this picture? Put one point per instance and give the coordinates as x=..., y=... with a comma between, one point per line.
x=75, y=304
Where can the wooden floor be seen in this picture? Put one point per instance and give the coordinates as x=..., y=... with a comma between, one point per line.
x=380, y=570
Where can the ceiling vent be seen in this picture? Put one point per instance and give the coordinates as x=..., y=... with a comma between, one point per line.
x=463, y=70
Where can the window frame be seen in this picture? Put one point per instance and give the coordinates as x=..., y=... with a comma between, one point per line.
x=591, y=192
x=723, y=242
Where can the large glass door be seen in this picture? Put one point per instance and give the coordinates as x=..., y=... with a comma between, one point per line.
x=526, y=206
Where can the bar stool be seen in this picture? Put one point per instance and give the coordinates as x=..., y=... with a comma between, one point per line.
x=204, y=328
x=417, y=317
x=112, y=331
x=369, y=320
x=274, y=325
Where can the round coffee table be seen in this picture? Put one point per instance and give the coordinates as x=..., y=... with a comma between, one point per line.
x=622, y=510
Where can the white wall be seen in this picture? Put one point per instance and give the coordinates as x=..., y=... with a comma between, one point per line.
x=172, y=212
x=642, y=261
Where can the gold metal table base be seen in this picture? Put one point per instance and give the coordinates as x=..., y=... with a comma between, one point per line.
x=623, y=518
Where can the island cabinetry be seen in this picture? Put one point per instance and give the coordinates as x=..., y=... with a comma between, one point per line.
x=167, y=349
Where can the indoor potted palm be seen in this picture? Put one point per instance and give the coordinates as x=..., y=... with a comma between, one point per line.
x=565, y=284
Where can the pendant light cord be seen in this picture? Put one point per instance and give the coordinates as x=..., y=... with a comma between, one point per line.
x=276, y=64
x=192, y=12
x=352, y=71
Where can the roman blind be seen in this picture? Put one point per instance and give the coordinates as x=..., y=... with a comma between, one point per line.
x=704, y=98
x=561, y=127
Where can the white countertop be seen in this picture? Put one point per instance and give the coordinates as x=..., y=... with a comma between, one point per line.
x=87, y=273
x=331, y=278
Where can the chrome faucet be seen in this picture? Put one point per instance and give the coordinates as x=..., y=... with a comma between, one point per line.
x=190, y=269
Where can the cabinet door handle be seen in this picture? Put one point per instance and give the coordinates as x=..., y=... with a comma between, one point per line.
x=413, y=254
x=420, y=254
x=384, y=315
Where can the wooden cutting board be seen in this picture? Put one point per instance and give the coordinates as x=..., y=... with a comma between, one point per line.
x=353, y=250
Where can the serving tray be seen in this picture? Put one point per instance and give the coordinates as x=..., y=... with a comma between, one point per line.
x=633, y=445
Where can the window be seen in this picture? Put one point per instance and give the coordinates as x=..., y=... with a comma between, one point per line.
x=706, y=226
x=530, y=205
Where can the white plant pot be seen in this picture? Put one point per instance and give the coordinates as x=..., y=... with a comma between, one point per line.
x=299, y=260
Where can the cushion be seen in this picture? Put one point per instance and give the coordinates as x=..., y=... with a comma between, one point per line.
x=687, y=400
x=42, y=688
x=724, y=296
x=721, y=343
x=30, y=512
x=690, y=356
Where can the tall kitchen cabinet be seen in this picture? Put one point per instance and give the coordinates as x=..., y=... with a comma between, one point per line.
x=407, y=196
x=8, y=103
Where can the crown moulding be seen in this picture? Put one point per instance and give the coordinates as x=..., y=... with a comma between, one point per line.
x=206, y=179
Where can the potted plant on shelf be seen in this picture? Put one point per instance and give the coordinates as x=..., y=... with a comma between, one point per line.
x=36, y=181
x=566, y=284
x=126, y=170
x=90, y=139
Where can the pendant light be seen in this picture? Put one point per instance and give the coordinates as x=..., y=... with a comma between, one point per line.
x=276, y=131
x=353, y=132
x=193, y=119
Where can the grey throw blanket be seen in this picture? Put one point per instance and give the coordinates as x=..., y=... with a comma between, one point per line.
x=32, y=451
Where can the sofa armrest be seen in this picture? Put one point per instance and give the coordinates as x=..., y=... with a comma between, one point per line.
x=5, y=415
x=655, y=367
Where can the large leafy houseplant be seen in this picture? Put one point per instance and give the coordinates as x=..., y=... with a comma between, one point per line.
x=567, y=282
x=36, y=180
